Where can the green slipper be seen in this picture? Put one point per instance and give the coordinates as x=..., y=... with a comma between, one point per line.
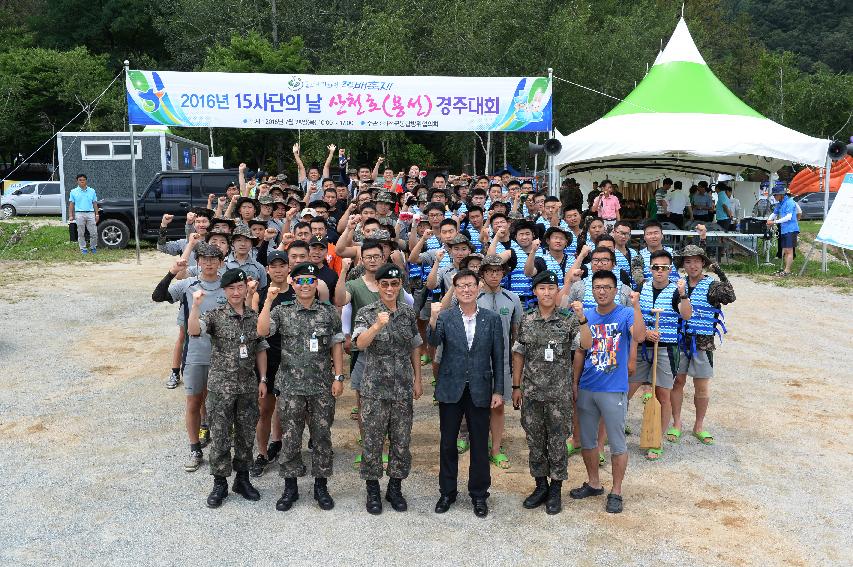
x=658, y=453
x=357, y=463
x=601, y=460
x=500, y=460
x=360, y=441
x=384, y=460
x=705, y=437
x=647, y=396
x=572, y=450
x=673, y=435
x=425, y=359
x=353, y=413
x=432, y=382
x=462, y=445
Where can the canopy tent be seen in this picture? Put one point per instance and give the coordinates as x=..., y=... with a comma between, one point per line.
x=682, y=118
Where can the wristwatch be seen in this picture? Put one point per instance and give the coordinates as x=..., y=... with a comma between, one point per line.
x=339, y=378
x=263, y=379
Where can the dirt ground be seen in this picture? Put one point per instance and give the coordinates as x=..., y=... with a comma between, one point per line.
x=94, y=445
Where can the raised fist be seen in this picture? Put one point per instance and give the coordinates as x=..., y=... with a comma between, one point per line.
x=252, y=286
x=234, y=199
x=287, y=238
x=682, y=286
x=435, y=309
x=427, y=234
x=635, y=299
x=439, y=256
x=502, y=233
x=167, y=218
x=190, y=217
x=574, y=275
x=577, y=307
x=380, y=159
x=242, y=168
x=222, y=200
x=585, y=251
x=536, y=243
x=291, y=212
x=272, y=293
x=211, y=198
x=193, y=238
x=296, y=149
x=382, y=319
x=701, y=229
x=269, y=234
x=178, y=267
x=198, y=296
x=346, y=263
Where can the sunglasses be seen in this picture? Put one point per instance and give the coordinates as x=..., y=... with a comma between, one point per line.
x=305, y=281
x=388, y=284
x=661, y=267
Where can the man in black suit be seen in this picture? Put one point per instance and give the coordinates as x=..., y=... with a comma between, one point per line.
x=469, y=383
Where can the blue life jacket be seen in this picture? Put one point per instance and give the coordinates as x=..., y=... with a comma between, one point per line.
x=647, y=262
x=669, y=319
x=474, y=236
x=432, y=243
x=516, y=281
x=705, y=320
x=552, y=264
x=588, y=298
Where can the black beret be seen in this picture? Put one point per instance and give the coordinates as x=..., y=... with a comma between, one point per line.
x=304, y=269
x=545, y=277
x=388, y=272
x=232, y=276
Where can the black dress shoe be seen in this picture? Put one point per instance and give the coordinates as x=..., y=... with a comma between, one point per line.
x=290, y=495
x=481, y=509
x=374, y=498
x=219, y=492
x=321, y=494
x=444, y=503
x=243, y=487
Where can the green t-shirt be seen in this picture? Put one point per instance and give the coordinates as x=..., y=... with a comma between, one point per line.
x=361, y=296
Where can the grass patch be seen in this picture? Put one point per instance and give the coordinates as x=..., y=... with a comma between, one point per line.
x=23, y=242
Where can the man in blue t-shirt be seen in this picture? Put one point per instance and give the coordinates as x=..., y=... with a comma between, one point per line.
x=601, y=391
x=724, y=210
x=83, y=210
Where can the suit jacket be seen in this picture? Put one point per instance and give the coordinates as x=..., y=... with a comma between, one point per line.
x=482, y=366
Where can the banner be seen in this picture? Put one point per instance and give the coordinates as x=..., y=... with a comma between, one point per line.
x=339, y=102
x=837, y=230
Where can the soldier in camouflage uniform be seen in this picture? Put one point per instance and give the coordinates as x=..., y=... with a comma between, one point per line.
x=386, y=333
x=311, y=340
x=233, y=390
x=546, y=339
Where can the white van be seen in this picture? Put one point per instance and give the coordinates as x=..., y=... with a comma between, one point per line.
x=37, y=198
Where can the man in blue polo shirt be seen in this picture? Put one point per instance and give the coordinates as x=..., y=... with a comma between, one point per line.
x=601, y=392
x=785, y=215
x=83, y=208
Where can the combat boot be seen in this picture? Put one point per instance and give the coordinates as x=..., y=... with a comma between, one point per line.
x=394, y=495
x=289, y=496
x=554, y=504
x=539, y=494
x=243, y=487
x=321, y=494
x=219, y=492
x=374, y=497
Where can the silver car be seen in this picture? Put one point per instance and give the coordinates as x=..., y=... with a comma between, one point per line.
x=39, y=198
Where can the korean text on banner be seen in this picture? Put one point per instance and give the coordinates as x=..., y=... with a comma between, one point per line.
x=339, y=102
x=837, y=230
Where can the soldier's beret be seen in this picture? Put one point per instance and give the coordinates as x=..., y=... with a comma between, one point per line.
x=232, y=276
x=304, y=269
x=388, y=272
x=545, y=277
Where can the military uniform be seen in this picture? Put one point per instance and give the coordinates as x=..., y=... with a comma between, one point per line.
x=232, y=399
x=386, y=388
x=304, y=379
x=546, y=413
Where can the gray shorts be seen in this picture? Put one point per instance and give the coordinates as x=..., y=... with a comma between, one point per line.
x=418, y=296
x=699, y=365
x=613, y=408
x=357, y=371
x=195, y=378
x=667, y=366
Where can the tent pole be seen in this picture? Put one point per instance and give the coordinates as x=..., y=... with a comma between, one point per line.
x=552, y=175
x=825, y=206
x=133, y=172
x=536, y=163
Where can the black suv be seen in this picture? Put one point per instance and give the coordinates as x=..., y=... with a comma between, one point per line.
x=173, y=192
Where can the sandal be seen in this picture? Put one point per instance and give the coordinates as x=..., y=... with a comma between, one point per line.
x=384, y=460
x=614, y=503
x=601, y=460
x=646, y=397
x=571, y=449
x=357, y=462
x=425, y=359
x=462, y=445
x=500, y=460
x=673, y=434
x=705, y=437
x=658, y=453
x=353, y=413
x=360, y=441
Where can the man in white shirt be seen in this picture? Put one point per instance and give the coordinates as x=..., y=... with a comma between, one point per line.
x=676, y=201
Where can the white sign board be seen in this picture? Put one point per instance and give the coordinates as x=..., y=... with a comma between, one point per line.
x=837, y=229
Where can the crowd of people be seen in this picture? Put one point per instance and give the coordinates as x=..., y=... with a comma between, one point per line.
x=510, y=295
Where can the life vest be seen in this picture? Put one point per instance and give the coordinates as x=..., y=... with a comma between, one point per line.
x=433, y=243
x=647, y=262
x=589, y=299
x=516, y=281
x=706, y=320
x=669, y=319
x=474, y=236
x=552, y=264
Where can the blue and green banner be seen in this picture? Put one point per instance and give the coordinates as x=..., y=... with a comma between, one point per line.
x=339, y=102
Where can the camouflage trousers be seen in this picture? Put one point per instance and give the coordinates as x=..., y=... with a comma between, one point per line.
x=392, y=419
x=547, y=426
x=319, y=412
x=225, y=411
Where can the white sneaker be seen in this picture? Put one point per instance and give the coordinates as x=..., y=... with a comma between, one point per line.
x=173, y=380
x=196, y=457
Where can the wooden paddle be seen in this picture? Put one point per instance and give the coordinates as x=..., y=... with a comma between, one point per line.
x=650, y=434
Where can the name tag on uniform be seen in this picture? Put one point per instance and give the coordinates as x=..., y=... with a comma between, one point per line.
x=549, y=354
x=313, y=344
x=244, y=351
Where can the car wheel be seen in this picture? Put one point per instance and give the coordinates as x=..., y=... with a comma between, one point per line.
x=8, y=211
x=113, y=233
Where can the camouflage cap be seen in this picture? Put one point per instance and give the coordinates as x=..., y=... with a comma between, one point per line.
x=280, y=177
x=545, y=277
x=217, y=232
x=493, y=260
x=222, y=220
x=205, y=250
x=466, y=261
x=385, y=197
x=460, y=239
x=687, y=252
x=242, y=230
x=265, y=200
x=382, y=235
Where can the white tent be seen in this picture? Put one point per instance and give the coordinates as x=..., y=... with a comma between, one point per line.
x=681, y=118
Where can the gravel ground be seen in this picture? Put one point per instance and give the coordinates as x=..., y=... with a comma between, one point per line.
x=93, y=447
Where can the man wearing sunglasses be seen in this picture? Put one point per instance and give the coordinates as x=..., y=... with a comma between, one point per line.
x=672, y=299
x=386, y=333
x=308, y=388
